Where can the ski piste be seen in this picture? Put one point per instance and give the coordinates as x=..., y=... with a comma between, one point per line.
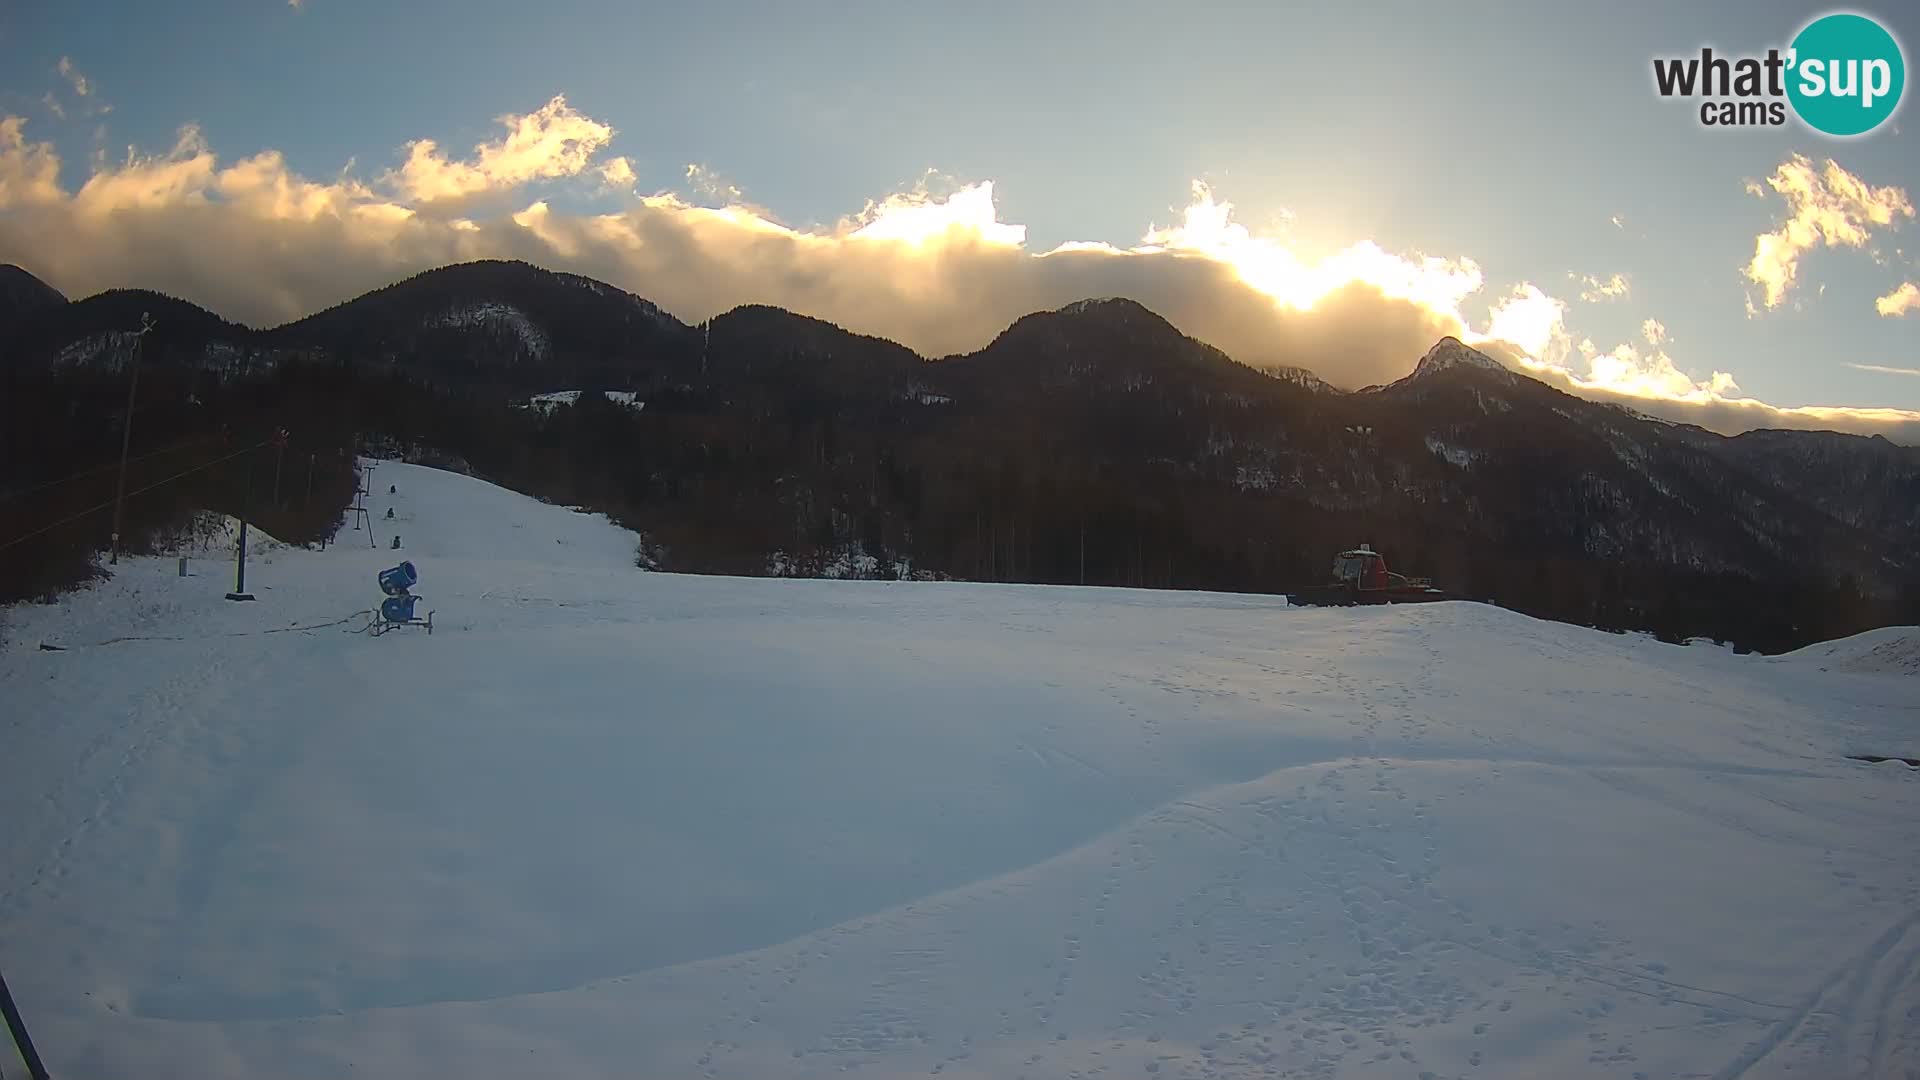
x=605, y=822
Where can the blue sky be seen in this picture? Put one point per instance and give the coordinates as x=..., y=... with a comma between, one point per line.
x=1510, y=134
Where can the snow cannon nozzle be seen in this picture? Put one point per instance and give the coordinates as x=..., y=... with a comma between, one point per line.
x=396, y=581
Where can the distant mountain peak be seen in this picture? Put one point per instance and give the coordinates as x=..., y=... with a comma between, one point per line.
x=1302, y=377
x=22, y=294
x=1451, y=352
x=1105, y=320
x=1116, y=304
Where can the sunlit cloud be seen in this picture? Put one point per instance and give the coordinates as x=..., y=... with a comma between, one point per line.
x=29, y=172
x=919, y=218
x=933, y=267
x=1529, y=319
x=618, y=173
x=553, y=141
x=1527, y=330
x=1900, y=301
x=1596, y=289
x=1826, y=205
x=709, y=186
x=1271, y=266
x=1884, y=370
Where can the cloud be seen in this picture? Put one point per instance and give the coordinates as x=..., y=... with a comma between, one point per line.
x=76, y=94
x=709, y=186
x=29, y=172
x=933, y=267
x=1829, y=206
x=553, y=141
x=1601, y=289
x=75, y=79
x=1900, y=301
x=1529, y=319
x=1650, y=381
x=1882, y=370
x=618, y=173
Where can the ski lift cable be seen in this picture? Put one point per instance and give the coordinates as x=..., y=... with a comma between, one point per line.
x=109, y=503
x=4, y=496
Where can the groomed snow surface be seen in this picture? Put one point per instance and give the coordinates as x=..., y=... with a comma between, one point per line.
x=606, y=823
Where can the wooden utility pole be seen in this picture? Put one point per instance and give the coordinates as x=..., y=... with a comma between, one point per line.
x=279, y=452
x=126, y=434
x=240, y=549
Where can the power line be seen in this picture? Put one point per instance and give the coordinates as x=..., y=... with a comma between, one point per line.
x=101, y=468
x=109, y=503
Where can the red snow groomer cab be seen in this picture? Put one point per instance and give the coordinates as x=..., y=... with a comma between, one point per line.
x=1361, y=576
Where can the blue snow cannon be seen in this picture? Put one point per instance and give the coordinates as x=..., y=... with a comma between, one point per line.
x=396, y=581
x=397, y=609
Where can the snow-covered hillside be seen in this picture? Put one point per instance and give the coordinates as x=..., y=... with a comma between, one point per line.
x=1889, y=650
x=609, y=823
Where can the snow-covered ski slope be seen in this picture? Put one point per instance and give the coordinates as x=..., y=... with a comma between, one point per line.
x=606, y=823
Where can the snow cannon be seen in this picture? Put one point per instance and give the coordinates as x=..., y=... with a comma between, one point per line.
x=399, y=579
x=397, y=609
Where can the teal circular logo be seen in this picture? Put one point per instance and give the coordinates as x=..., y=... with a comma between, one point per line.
x=1846, y=74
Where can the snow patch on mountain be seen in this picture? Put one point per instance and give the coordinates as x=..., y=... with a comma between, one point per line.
x=500, y=318
x=1079, y=307
x=1451, y=352
x=925, y=395
x=546, y=403
x=1456, y=455
x=1254, y=478
x=110, y=349
x=1300, y=376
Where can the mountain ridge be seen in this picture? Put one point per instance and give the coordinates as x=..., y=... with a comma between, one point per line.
x=1097, y=425
x=492, y=277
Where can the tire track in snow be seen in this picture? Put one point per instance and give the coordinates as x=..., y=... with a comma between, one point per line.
x=1883, y=1032
x=1844, y=1009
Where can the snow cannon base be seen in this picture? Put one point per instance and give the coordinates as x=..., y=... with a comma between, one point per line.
x=390, y=617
